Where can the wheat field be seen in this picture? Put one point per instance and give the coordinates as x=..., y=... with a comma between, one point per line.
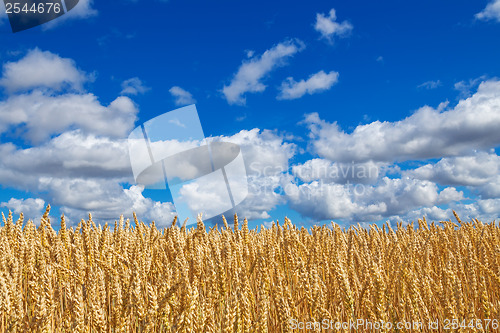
x=137, y=278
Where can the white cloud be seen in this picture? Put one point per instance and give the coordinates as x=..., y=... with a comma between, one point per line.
x=484, y=210
x=106, y=200
x=266, y=156
x=329, y=28
x=428, y=133
x=430, y=84
x=318, y=169
x=359, y=202
x=182, y=97
x=133, y=86
x=31, y=208
x=42, y=69
x=38, y=116
x=433, y=213
x=81, y=174
x=71, y=154
x=79, y=158
x=321, y=81
x=490, y=189
x=251, y=73
x=474, y=170
x=466, y=87
x=80, y=161
x=491, y=12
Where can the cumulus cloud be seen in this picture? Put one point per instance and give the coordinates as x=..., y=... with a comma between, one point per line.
x=80, y=173
x=474, y=170
x=433, y=213
x=485, y=210
x=84, y=173
x=75, y=154
x=249, y=77
x=42, y=69
x=38, y=108
x=266, y=155
x=181, y=96
x=133, y=86
x=429, y=133
x=321, y=81
x=71, y=154
x=78, y=159
x=319, y=169
x=491, y=12
x=38, y=116
x=106, y=200
x=31, y=208
x=329, y=28
x=387, y=198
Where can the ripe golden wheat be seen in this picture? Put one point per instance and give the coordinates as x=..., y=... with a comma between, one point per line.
x=142, y=279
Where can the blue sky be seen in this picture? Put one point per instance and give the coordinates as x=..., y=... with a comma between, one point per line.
x=408, y=93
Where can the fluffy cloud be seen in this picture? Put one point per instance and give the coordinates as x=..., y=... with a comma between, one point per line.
x=329, y=28
x=321, y=81
x=83, y=173
x=182, y=97
x=428, y=133
x=31, y=208
x=266, y=156
x=251, y=73
x=71, y=154
x=42, y=69
x=485, y=210
x=318, y=169
x=389, y=197
x=491, y=12
x=106, y=200
x=80, y=174
x=78, y=158
x=133, y=86
x=45, y=111
x=38, y=116
x=473, y=170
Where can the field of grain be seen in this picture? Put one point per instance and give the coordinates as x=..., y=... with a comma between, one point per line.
x=137, y=278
